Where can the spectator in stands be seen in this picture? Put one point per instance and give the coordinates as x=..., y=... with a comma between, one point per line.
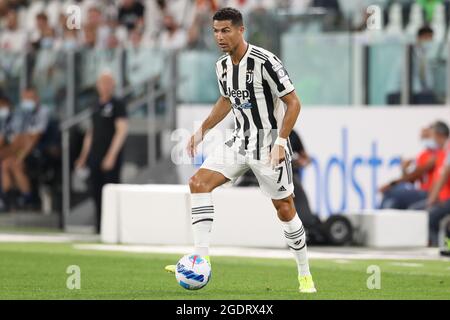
x=103, y=143
x=131, y=14
x=6, y=123
x=199, y=32
x=438, y=202
x=96, y=23
x=69, y=40
x=154, y=14
x=173, y=37
x=90, y=37
x=402, y=193
x=30, y=123
x=138, y=55
x=44, y=37
x=13, y=38
x=422, y=74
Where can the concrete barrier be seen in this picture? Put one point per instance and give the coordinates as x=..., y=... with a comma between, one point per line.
x=390, y=228
x=160, y=215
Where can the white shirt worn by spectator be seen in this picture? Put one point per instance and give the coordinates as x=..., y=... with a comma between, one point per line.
x=175, y=41
x=180, y=10
x=13, y=40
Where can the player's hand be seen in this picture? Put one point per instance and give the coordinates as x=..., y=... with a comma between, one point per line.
x=277, y=155
x=193, y=142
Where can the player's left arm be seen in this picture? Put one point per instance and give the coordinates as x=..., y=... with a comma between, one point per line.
x=293, y=108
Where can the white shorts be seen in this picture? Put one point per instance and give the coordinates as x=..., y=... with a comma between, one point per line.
x=275, y=183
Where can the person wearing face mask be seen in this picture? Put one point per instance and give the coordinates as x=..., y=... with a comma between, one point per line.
x=402, y=193
x=30, y=123
x=44, y=36
x=422, y=74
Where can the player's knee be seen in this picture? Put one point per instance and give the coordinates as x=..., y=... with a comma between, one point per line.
x=198, y=185
x=285, y=211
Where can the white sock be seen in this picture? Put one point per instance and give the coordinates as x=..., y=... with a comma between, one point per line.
x=202, y=216
x=296, y=240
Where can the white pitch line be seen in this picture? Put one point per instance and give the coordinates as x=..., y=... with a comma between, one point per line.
x=258, y=252
x=45, y=238
x=407, y=264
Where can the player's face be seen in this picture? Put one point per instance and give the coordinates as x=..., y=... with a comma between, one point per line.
x=227, y=35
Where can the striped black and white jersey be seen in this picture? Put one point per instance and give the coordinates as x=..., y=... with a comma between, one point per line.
x=254, y=87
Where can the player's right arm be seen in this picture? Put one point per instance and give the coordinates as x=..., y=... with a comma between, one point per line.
x=218, y=113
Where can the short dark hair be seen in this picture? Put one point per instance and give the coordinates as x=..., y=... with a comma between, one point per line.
x=229, y=14
x=424, y=30
x=441, y=128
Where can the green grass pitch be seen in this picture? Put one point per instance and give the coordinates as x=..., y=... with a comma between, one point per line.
x=38, y=271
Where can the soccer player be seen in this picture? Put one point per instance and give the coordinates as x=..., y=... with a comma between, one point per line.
x=255, y=86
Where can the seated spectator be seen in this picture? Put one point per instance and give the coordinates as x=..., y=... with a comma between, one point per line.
x=173, y=37
x=30, y=123
x=131, y=14
x=422, y=74
x=13, y=38
x=90, y=37
x=44, y=37
x=6, y=123
x=402, y=193
x=199, y=31
x=438, y=202
x=138, y=55
x=69, y=41
x=96, y=23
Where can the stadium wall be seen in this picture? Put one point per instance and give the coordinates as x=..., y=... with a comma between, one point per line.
x=354, y=150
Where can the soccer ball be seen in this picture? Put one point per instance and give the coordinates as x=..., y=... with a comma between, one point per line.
x=193, y=272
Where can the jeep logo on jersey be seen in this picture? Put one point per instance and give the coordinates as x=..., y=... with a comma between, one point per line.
x=239, y=94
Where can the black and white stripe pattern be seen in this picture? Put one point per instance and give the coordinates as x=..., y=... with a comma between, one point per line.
x=202, y=214
x=296, y=240
x=254, y=87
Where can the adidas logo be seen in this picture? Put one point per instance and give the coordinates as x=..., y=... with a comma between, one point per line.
x=298, y=242
x=282, y=188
